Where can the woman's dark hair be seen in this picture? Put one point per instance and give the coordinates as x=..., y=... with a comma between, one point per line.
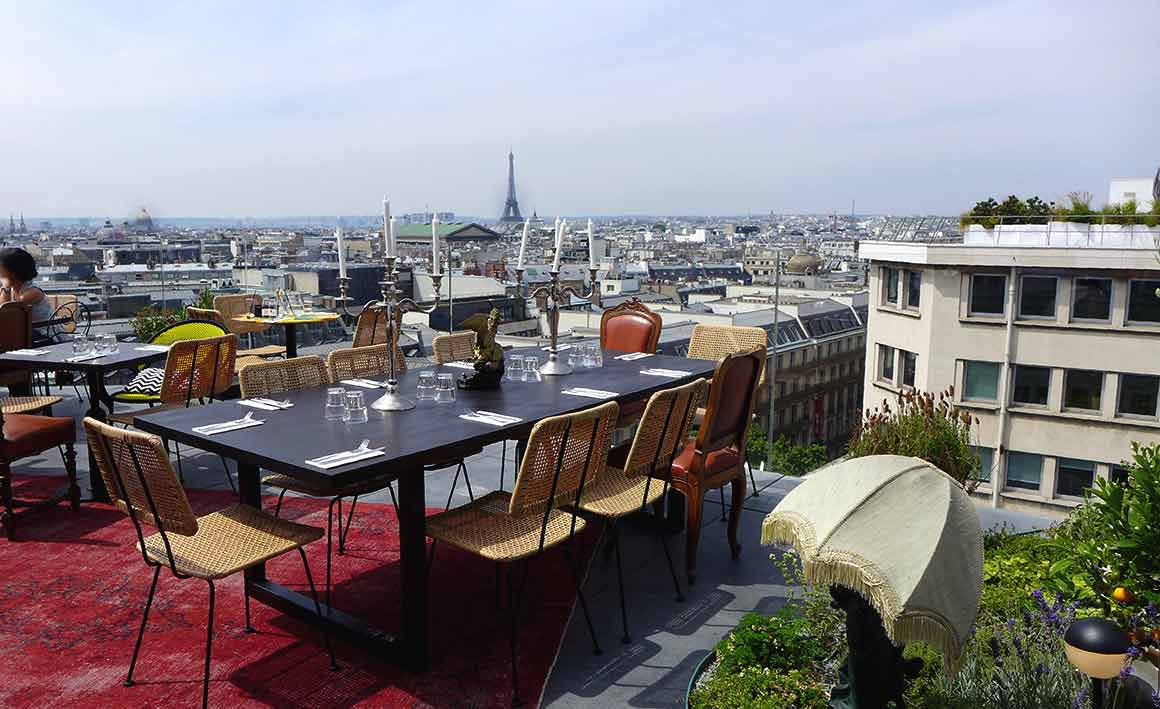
x=19, y=263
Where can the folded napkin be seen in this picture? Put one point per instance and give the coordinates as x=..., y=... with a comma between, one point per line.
x=152, y=348
x=632, y=356
x=85, y=357
x=364, y=383
x=27, y=353
x=660, y=372
x=226, y=426
x=490, y=418
x=335, y=460
x=256, y=404
x=459, y=365
x=590, y=393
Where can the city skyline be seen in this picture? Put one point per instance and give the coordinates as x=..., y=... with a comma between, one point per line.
x=278, y=110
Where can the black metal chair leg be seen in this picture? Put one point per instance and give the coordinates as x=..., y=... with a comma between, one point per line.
x=454, y=484
x=180, y=470
x=229, y=477
x=318, y=609
x=467, y=480
x=722, y=489
x=344, y=531
x=208, y=647
x=246, y=595
x=394, y=500
x=752, y=480
x=672, y=568
x=141, y=633
x=341, y=544
x=513, y=634
x=278, y=507
x=329, y=541
x=583, y=603
x=626, y=638
x=502, y=463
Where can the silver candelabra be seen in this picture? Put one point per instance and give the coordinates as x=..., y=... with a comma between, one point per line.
x=393, y=306
x=554, y=292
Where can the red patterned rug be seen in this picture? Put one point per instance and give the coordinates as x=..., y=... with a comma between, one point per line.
x=72, y=589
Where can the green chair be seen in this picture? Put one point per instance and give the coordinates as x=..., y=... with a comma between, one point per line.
x=146, y=387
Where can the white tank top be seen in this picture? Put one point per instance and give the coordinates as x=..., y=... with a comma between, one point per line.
x=42, y=310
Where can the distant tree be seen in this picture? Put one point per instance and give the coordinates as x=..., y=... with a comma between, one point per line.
x=1038, y=211
x=1012, y=210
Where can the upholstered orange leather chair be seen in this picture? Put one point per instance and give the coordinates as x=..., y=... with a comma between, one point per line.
x=26, y=435
x=717, y=455
x=630, y=327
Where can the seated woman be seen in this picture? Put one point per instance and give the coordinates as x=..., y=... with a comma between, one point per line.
x=17, y=276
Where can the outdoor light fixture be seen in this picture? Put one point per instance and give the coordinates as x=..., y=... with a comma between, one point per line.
x=1098, y=648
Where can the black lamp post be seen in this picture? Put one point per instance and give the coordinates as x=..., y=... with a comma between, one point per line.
x=1097, y=648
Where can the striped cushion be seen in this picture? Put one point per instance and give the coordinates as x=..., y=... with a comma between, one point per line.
x=147, y=382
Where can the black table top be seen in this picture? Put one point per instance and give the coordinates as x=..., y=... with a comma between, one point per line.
x=126, y=356
x=428, y=432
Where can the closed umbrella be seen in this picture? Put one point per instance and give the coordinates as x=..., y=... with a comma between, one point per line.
x=900, y=533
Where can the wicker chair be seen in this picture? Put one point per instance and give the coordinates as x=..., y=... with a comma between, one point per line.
x=235, y=305
x=715, y=342
x=563, y=453
x=25, y=435
x=28, y=404
x=136, y=469
x=630, y=327
x=639, y=474
x=278, y=377
x=455, y=347
x=245, y=357
x=717, y=455
x=195, y=370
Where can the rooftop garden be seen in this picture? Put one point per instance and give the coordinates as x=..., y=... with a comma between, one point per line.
x=1079, y=208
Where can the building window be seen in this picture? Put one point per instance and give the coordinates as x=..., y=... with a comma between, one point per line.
x=1024, y=470
x=1082, y=388
x=890, y=282
x=986, y=458
x=1143, y=305
x=1138, y=394
x=1120, y=475
x=981, y=381
x=1092, y=299
x=909, y=365
x=1037, y=297
x=988, y=294
x=1074, y=476
x=913, y=288
x=1031, y=385
x=886, y=363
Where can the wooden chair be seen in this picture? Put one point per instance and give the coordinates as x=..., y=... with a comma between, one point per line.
x=715, y=342
x=630, y=327
x=15, y=334
x=245, y=357
x=136, y=470
x=639, y=474
x=25, y=435
x=195, y=371
x=278, y=377
x=454, y=347
x=717, y=455
x=233, y=305
x=563, y=453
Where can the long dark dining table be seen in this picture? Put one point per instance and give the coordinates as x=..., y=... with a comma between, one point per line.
x=428, y=432
x=56, y=358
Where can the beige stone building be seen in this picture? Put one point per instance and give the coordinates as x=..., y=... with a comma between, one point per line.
x=1051, y=339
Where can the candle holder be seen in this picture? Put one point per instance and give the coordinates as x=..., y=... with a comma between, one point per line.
x=344, y=299
x=394, y=306
x=553, y=292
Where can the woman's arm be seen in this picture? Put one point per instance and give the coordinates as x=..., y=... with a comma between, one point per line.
x=5, y=295
x=31, y=296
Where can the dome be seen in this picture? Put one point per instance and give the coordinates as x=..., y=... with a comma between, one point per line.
x=804, y=262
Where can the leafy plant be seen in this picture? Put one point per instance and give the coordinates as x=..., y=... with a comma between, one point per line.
x=204, y=300
x=782, y=641
x=924, y=426
x=761, y=688
x=151, y=320
x=1014, y=565
x=788, y=458
x=1079, y=209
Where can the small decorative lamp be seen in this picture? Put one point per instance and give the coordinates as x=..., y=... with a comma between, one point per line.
x=1098, y=648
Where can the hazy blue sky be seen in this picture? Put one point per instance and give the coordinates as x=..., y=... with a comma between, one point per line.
x=277, y=108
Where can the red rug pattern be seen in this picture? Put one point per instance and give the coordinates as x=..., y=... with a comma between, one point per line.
x=72, y=588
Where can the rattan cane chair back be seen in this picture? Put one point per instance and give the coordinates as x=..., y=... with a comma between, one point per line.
x=456, y=347
x=563, y=452
x=205, y=314
x=663, y=429
x=358, y=362
x=278, y=376
x=716, y=341
x=139, y=478
x=236, y=305
x=199, y=369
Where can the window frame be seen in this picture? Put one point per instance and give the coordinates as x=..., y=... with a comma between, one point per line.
x=1007, y=472
x=1120, y=398
x=1054, y=298
x=988, y=469
x=879, y=373
x=914, y=370
x=1059, y=466
x=971, y=296
x=1015, y=386
x=966, y=373
x=1128, y=304
x=911, y=292
x=1075, y=294
x=1099, y=395
x=887, y=272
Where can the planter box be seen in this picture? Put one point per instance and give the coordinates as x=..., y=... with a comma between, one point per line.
x=701, y=667
x=1065, y=235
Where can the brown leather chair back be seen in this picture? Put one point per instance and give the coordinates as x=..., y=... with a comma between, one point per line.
x=630, y=327
x=15, y=334
x=731, y=400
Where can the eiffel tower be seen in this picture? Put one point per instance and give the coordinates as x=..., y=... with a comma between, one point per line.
x=511, y=208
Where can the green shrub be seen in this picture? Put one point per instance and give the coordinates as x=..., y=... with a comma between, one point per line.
x=761, y=688
x=1014, y=565
x=788, y=458
x=151, y=320
x=780, y=642
x=934, y=429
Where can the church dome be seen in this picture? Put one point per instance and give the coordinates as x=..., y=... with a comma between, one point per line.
x=804, y=262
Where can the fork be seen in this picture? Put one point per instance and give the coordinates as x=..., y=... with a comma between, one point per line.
x=363, y=447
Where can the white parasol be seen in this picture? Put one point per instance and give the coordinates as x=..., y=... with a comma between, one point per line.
x=898, y=531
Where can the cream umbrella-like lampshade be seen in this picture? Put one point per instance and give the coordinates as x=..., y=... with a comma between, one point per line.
x=898, y=531
x=1096, y=647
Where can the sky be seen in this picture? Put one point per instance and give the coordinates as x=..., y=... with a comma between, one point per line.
x=643, y=107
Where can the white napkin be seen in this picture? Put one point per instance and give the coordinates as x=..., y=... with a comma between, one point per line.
x=215, y=428
x=364, y=383
x=27, y=353
x=590, y=393
x=152, y=348
x=660, y=372
x=633, y=356
x=460, y=365
x=326, y=464
x=258, y=405
x=490, y=418
x=85, y=357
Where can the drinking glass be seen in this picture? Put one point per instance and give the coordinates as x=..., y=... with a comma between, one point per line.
x=425, y=390
x=108, y=343
x=445, y=388
x=356, y=408
x=307, y=304
x=532, y=369
x=514, y=369
x=335, y=409
x=595, y=355
x=80, y=344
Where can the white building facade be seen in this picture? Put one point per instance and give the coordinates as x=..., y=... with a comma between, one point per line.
x=1051, y=342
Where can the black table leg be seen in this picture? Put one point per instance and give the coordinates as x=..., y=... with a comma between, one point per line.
x=413, y=564
x=95, y=382
x=250, y=493
x=291, y=340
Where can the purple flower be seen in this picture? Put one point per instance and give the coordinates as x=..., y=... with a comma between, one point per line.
x=1081, y=697
x=1155, y=699
x=996, y=653
x=1126, y=672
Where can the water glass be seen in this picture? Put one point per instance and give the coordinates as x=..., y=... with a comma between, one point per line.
x=595, y=355
x=335, y=409
x=80, y=344
x=425, y=390
x=532, y=369
x=356, y=408
x=514, y=369
x=445, y=388
x=108, y=344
